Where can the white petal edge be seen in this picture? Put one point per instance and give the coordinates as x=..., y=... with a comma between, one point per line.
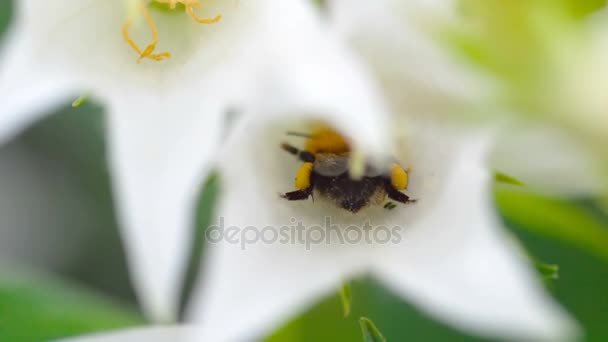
x=305, y=69
x=396, y=39
x=149, y=334
x=459, y=266
x=26, y=92
x=548, y=160
x=161, y=148
x=247, y=294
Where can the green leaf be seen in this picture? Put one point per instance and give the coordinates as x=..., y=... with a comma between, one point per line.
x=557, y=219
x=80, y=101
x=506, y=179
x=603, y=204
x=547, y=271
x=6, y=10
x=41, y=308
x=370, y=332
x=582, y=8
x=346, y=299
x=205, y=210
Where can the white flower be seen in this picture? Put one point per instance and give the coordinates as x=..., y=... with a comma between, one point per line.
x=163, y=122
x=401, y=41
x=164, y=115
x=449, y=255
x=446, y=253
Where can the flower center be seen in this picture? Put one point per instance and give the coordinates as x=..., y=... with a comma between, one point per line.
x=148, y=52
x=327, y=168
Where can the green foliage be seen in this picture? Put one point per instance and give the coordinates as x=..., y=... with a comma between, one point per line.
x=6, y=10
x=80, y=101
x=42, y=308
x=398, y=320
x=206, y=207
x=582, y=8
x=562, y=220
x=582, y=281
x=546, y=271
x=370, y=331
x=506, y=179
x=346, y=298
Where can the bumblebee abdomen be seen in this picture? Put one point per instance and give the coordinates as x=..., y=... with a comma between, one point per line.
x=349, y=194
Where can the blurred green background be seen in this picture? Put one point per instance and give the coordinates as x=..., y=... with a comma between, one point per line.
x=63, y=272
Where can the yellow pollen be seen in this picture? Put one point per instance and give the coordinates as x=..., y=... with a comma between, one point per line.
x=148, y=52
x=303, y=176
x=399, y=177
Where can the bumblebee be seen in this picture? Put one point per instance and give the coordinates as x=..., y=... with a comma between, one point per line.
x=325, y=170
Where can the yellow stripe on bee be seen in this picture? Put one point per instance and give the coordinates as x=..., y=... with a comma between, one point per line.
x=303, y=176
x=399, y=177
x=326, y=140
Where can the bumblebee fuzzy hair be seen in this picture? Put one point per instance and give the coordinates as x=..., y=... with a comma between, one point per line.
x=325, y=169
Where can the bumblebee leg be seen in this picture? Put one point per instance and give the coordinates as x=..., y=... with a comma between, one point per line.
x=303, y=177
x=395, y=194
x=303, y=184
x=399, y=177
x=298, y=195
x=304, y=156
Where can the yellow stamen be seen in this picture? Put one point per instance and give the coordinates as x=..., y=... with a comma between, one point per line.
x=148, y=51
x=192, y=14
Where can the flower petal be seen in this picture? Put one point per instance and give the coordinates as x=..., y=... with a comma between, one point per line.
x=160, y=149
x=84, y=39
x=304, y=70
x=26, y=92
x=549, y=160
x=150, y=334
x=458, y=265
x=242, y=291
x=253, y=279
x=396, y=39
x=249, y=292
